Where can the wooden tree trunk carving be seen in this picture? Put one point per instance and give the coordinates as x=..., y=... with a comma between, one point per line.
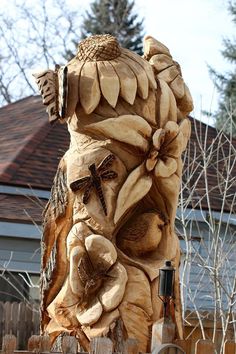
x=109, y=225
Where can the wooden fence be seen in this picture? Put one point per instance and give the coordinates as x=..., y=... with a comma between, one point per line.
x=19, y=319
x=41, y=344
x=22, y=321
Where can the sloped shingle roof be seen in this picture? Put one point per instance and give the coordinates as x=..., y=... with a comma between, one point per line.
x=31, y=149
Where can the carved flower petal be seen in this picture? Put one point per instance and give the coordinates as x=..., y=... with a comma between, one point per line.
x=185, y=128
x=175, y=147
x=145, y=64
x=140, y=74
x=130, y=129
x=128, y=82
x=136, y=186
x=165, y=169
x=101, y=251
x=109, y=82
x=74, y=69
x=91, y=314
x=113, y=288
x=158, y=138
x=89, y=89
x=167, y=104
x=172, y=128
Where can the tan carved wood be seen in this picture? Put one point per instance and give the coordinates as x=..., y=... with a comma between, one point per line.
x=109, y=225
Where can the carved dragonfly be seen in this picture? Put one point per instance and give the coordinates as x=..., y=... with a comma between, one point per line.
x=97, y=175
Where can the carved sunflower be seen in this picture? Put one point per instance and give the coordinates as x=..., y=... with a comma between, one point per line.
x=102, y=68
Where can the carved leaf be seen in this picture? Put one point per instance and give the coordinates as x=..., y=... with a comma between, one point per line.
x=136, y=186
x=185, y=105
x=161, y=62
x=153, y=46
x=130, y=129
x=177, y=86
x=185, y=128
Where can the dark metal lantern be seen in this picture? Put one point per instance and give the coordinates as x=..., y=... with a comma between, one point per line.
x=166, y=280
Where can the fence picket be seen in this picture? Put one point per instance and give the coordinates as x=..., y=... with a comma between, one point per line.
x=1, y=322
x=184, y=344
x=230, y=347
x=101, y=346
x=69, y=345
x=204, y=346
x=9, y=344
x=131, y=346
x=45, y=344
x=7, y=308
x=34, y=343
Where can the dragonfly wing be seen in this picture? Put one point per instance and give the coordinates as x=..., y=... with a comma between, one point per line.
x=106, y=163
x=107, y=175
x=80, y=183
x=86, y=195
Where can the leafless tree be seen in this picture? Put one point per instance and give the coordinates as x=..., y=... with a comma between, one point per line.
x=34, y=35
x=207, y=224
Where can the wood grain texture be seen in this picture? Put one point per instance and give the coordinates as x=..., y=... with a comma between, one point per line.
x=109, y=225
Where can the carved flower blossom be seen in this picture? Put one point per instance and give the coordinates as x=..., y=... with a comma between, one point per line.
x=162, y=162
x=104, y=279
x=168, y=144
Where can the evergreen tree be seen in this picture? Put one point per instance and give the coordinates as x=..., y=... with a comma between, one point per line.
x=226, y=85
x=115, y=17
